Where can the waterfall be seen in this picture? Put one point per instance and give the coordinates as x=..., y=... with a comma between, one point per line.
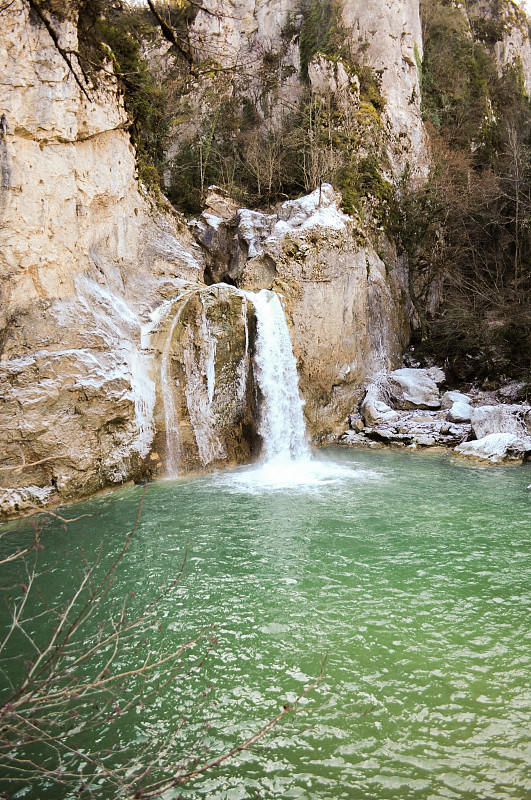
x=281, y=423
x=210, y=407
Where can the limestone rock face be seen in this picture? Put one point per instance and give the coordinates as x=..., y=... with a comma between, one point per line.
x=515, y=45
x=84, y=258
x=330, y=79
x=387, y=35
x=239, y=34
x=206, y=411
x=104, y=313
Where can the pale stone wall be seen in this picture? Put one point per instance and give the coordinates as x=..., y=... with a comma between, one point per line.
x=385, y=35
x=84, y=257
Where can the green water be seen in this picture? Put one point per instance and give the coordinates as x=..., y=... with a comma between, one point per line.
x=411, y=572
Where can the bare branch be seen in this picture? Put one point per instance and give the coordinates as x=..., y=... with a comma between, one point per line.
x=170, y=35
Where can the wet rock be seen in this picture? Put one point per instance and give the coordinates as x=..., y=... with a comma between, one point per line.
x=85, y=259
x=419, y=427
x=497, y=448
x=413, y=388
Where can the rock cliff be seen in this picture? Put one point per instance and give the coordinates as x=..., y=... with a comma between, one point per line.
x=384, y=35
x=126, y=339
x=347, y=312
x=83, y=255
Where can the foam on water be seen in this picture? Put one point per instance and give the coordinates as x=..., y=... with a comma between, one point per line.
x=303, y=475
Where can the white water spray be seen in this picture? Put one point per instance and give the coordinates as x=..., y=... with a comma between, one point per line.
x=287, y=462
x=281, y=424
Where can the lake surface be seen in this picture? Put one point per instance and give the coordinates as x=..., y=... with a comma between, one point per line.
x=412, y=573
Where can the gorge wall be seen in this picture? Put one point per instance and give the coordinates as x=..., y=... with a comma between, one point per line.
x=126, y=341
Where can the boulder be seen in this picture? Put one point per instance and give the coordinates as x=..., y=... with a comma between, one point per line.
x=486, y=420
x=436, y=374
x=459, y=412
x=220, y=204
x=374, y=410
x=449, y=398
x=413, y=388
x=497, y=448
x=425, y=441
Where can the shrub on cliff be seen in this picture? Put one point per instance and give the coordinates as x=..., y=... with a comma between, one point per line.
x=467, y=232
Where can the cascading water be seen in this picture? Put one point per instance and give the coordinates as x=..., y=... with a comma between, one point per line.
x=286, y=459
x=281, y=424
x=287, y=464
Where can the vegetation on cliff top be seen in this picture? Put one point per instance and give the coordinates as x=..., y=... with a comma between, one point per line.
x=466, y=233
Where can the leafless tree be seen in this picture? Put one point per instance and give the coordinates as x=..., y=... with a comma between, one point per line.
x=82, y=679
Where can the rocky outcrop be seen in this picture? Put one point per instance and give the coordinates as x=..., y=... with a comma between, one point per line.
x=514, y=46
x=497, y=448
x=460, y=411
x=345, y=310
x=387, y=36
x=501, y=418
x=502, y=434
x=450, y=398
x=88, y=264
x=495, y=434
x=206, y=412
